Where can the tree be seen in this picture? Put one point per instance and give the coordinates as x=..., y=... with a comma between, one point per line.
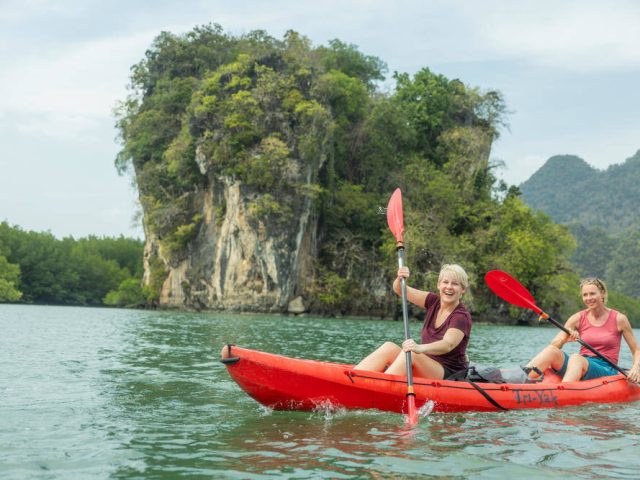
x=623, y=271
x=39, y=268
x=595, y=248
x=128, y=294
x=9, y=278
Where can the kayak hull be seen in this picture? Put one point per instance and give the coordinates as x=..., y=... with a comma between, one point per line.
x=284, y=383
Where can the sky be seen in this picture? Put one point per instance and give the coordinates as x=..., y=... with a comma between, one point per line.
x=568, y=70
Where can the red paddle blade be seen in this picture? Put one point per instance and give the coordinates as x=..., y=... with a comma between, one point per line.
x=509, y=289
x=394, y=215
x=412, y=411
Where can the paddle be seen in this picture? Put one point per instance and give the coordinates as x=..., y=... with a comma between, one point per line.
x=509, y=289
x=396, y=225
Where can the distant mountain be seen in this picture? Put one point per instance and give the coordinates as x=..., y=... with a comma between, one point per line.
x=571, y=191
x=601, y=208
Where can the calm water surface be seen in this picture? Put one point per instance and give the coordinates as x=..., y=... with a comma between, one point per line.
x=123, y=394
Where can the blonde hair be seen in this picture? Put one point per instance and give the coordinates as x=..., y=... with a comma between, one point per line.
x=598, y=283
x=458, y=273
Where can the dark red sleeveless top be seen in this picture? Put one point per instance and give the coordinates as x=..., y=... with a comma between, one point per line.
x=460, y=318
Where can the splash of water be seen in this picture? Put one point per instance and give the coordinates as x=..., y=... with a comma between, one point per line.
x=264, y=411
x=426, y=409
x=328, y=409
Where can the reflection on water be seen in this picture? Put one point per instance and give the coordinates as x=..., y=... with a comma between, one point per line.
x=95, y=393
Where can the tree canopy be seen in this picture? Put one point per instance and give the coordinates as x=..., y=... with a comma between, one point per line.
x=36, y=267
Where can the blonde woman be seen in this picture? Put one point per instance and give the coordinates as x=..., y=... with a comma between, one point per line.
x=445, y=332
x=598, y=326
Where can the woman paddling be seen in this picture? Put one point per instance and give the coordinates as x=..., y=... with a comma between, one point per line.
x=445, y=333
x=598, y=326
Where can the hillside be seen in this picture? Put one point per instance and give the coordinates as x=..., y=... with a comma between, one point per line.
x=600, y=208
x=571, y=191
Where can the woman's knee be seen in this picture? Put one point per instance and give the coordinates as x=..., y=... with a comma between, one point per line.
x=553, y=355
x=389, y=347
x=576, y=359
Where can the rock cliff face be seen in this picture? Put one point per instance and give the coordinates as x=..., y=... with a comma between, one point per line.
x=240, y=260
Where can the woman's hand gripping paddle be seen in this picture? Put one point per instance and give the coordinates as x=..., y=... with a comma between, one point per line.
x=509, y=289
x=396, y=225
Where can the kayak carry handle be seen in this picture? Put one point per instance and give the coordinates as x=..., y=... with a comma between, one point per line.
x=229, y=360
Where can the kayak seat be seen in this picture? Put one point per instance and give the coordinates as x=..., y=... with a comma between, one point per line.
x=478, y=374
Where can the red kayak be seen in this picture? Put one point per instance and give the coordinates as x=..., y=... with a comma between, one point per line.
x=284, y=383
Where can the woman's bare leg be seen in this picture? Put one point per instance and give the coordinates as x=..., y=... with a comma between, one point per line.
x=576, y=368
x=422, y=366
x=380, y=358
x=551, y=356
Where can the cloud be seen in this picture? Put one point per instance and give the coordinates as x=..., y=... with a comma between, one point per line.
x=16, y=10
x=58, y=125
x=114, y=213
x=70, y=88
x=578, y=36
x=85, y=78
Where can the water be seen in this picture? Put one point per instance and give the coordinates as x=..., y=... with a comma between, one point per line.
x=100, y=393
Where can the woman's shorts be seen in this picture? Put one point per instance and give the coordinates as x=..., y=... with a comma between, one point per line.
x=448, y=372
x=597, y=367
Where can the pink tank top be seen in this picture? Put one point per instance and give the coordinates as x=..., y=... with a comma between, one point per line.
x=605, y=338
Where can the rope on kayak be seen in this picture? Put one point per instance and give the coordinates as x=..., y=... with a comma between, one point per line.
x=486, y=395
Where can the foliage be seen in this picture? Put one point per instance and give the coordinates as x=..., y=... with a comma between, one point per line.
x=436, y=104
x=623, y=270
x=126, y=252
x=534, y=250
x=342, y=57
x=627, y=305
x=333, y=290
x=68, y=271
x=95, y=275
x=266, y=206
x=9, y=278
x=157, y=276
x=355, y=210
x=129, y=294
x=178, y=239
x=595, y=249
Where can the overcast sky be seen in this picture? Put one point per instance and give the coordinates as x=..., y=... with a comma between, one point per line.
x=569, y=71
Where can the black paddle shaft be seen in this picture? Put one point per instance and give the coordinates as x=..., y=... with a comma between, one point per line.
x=405, y=314
x=586, y=345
